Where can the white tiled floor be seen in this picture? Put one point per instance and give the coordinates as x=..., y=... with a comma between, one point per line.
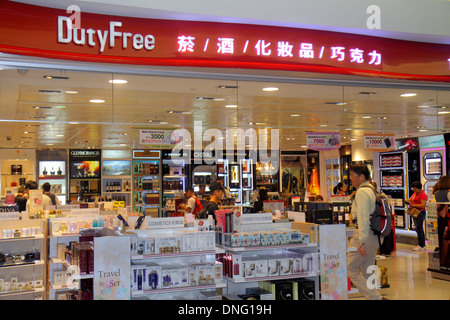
x=409, y=278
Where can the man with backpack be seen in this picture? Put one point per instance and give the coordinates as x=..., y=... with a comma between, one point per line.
x=193, y=205
x=364, y=239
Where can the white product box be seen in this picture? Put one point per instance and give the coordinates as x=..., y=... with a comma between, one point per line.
x=174, y=276
x=218, y=271
x=205, y=274
x=273, y=266
x=248, y=266
x=133, y=244
x=285, y=266
x=187, y=243
x=261, y=268
x=59, y=277
x=167, y=243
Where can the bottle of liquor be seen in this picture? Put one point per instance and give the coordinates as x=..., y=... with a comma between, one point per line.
x=59, y=171
x=341, y=214
x=45, y=171
x=107, y=187
x=347, y=215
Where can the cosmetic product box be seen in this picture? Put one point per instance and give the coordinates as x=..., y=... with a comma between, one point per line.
x=175, y=276
x=261, y=267
x=59, y=277
x=285, y=266
x=248, y=267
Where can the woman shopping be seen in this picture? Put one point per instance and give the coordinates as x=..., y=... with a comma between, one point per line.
x=418, y=201
x=340, y=189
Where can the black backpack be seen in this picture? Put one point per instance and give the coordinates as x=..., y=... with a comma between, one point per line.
x=203, y=214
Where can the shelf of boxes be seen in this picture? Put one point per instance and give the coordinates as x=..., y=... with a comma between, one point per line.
x=23, y=259
x=173, y=261
x=281, y=258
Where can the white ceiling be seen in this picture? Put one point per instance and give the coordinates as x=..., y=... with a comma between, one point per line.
x=128, y=107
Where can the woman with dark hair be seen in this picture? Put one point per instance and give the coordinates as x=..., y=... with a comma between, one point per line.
x=419, y=201
x=340, y=189
x=258, y=206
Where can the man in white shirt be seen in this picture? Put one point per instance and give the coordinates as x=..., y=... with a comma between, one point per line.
x=32, y=185
x=363, y=238
x=191, y=206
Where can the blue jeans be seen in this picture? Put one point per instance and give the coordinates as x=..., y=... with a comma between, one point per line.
x=419, y=228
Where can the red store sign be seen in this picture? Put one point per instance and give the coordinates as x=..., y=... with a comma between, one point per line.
x=52, y=33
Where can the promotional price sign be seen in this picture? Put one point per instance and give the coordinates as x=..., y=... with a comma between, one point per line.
x=321, y=141
x=158, y=138
x=379, y=142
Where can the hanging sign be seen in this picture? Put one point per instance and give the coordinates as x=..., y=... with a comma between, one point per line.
x=321, y=141
x=161, y=139
x=379, y=142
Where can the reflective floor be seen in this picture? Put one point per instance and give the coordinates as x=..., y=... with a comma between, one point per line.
x=409, y=278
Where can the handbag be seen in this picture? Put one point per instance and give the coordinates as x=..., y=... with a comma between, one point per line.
x=413, y=212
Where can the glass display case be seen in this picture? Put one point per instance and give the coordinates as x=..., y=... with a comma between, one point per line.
x=147, y=182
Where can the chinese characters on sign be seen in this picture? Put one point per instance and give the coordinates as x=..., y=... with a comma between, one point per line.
x=282, y=49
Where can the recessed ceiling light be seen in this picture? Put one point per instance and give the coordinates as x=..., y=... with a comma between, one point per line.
x=123, y=144
x=56, y=77
x=270, y=89
x=324, y=125
x=97, y=101
x=304, y=146
x=443, y=112
x=150, y=120
x=60, y=107
x=231, y=106
x=50, y=144
x=163, y=122
x=219, y=99
x=423, y=130
x=118, y=81
x=295, y=115
x=71, y=92
x=341, y=103
x=366, y=117
x=25, y=132
x=411, y=94
x=73, y=122
x=59, y=135
x=353, y=139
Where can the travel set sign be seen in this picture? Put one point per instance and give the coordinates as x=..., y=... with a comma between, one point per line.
x=55, y=33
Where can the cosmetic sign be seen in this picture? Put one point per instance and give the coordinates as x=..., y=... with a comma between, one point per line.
x=112, y=268
x=333, y=262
